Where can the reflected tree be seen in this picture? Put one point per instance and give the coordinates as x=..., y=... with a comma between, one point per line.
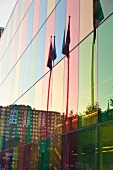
x=92, y=108
x=111, y=102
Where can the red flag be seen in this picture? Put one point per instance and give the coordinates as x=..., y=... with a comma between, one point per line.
x=50, y=56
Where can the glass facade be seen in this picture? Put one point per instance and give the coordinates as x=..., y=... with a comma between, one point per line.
x=60, y=116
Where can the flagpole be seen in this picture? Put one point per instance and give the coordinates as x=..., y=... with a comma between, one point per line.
x=49, y=64
x=49, y=90
x=48, y=100
x=92, y=62
x=92, y=74
x=67, y=102
x=65, y=51
x=98, y=16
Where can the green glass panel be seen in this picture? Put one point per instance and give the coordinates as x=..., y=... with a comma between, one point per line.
x=55, y=152
x=87, y=148
x=44, y=154
x=106, y=146
x=105, y=70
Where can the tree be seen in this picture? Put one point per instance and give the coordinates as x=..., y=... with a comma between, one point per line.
x=111, y=102
x=90, y=108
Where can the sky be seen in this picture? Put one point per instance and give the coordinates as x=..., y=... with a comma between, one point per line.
x=6, y=7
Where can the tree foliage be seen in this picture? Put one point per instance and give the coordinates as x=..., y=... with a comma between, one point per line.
x=111, y=102
x=90, y=108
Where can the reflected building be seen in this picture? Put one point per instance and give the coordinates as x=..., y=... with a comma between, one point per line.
x=27, y=124
x=21, y=130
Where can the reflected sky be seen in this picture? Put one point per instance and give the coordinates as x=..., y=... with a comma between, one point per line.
x=6, y=7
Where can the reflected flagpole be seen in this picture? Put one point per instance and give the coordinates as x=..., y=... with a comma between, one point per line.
x=92, y=74
x=49, y=84
x=54, y=57
x=49, y=64
x=68, y=63
x=65, y=51
x=67, y=101
x=51, y=57
x=98, y=16
x=92, y=58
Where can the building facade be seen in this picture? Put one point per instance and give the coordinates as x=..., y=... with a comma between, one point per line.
x=56, y=86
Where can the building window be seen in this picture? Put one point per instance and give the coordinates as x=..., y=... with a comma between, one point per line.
x=13, y=119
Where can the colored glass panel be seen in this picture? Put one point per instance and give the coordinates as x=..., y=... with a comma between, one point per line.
x=85, y=61
x=105, y=80
x=30, y=23
x=41, y=39
x=56, y=85
x=25, y=29
x=36, y=17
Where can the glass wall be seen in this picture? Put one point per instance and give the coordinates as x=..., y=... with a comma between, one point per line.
x=89, y=148
x=59, y=118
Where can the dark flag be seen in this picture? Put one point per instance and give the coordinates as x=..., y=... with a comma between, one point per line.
x=98, y=15
x=65, y=50
x=54, y=51
x=63, y=44
x=50, y=56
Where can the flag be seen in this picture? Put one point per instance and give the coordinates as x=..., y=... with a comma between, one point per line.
x=54, y=51
x=65, y=49
x=63, y=44
x=50, y=56
x=98, y=15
